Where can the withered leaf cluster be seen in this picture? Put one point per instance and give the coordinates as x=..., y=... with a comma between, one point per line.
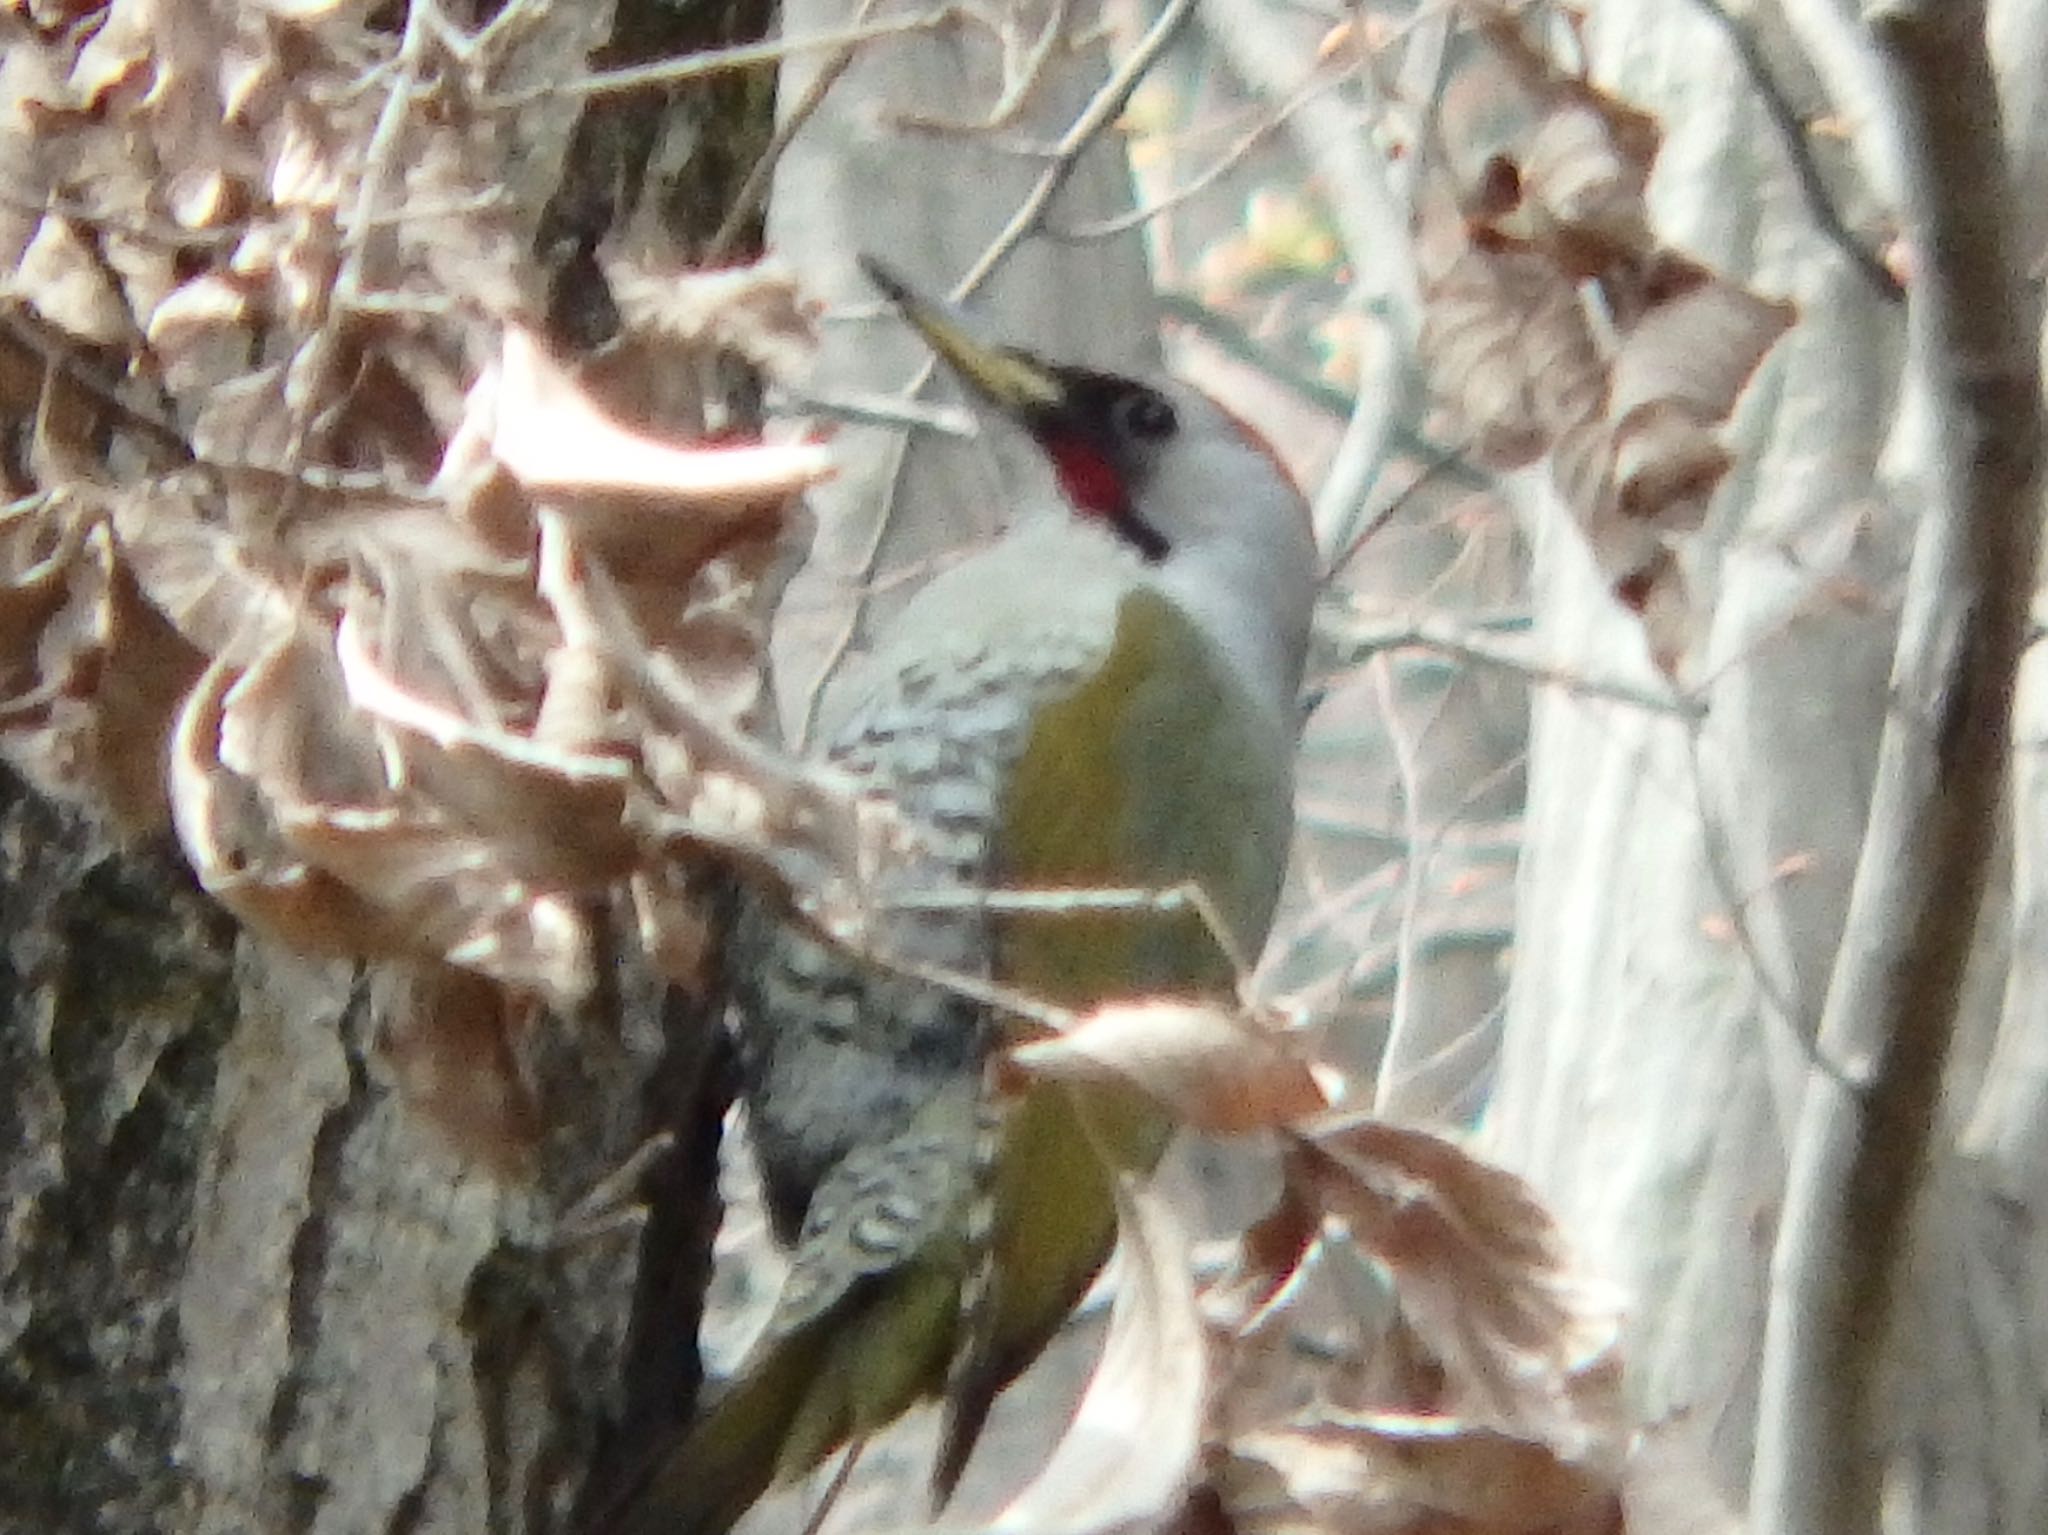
x=1481, y=1393
x=426, y=647
x=1557, y=324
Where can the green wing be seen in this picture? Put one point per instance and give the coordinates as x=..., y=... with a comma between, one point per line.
x=1156, y=772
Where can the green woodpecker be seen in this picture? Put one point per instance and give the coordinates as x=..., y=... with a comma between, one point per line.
x=1105, y=699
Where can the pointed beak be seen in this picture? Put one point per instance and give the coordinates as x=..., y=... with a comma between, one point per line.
x=1014, y=382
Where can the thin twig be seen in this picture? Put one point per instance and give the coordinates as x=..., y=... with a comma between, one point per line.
x=1714, y=844
x=1017, y=90
x=719, y=61
x=761, y=174
x=1210, y=174
x=1427, y=632
x=1439, y=465
x=879, y=410
x=1103, y=109
x=381, y=153
x=1415, y=864
x=829, y=1500
x=58, y=357
x=1239, y=343
x=1791, y=128
x=1159, y=901
x=1859, y=1158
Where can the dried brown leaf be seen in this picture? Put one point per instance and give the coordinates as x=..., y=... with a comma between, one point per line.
x=1216, y=1069
x=38, y=544
x=1657, y=594
x=1628, y=403
x=239, y=853
x=1131, y=1450
x=283, y=804
x=449, y=895
x=1666, y=465
x=90, y=675
x=117, y=55
x=755, y=311
x=554, y=438
x=200, y=577
x=196, y=311
x=1384, y=1472
x=1583, y=189
x=1509, y=343
x=1526, y=1339
x=1269, y=1257
x=452, y=1042
x=59, y=277
x=553, y=817
x=1689, y=336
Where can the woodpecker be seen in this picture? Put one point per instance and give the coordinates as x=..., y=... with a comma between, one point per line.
x=1104, y=699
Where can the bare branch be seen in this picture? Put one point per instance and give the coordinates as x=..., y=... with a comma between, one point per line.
x=1799, y=148
x=1023, y=79
x=704, y=64
x=753, y=191
x=1269, y=119
x=1106, y=106
x=1433, y=633
x=1859, y=1159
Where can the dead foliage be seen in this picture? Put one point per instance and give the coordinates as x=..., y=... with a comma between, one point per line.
x=1558, y=326
x=1405, y=1343
x=426, y=645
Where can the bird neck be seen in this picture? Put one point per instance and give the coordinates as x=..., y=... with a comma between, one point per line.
x=1249, y=607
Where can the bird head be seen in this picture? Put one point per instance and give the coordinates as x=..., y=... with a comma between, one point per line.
x=1185, y=483
x=1158, y=462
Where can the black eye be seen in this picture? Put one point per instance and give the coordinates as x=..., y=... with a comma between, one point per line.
x=1143, y=415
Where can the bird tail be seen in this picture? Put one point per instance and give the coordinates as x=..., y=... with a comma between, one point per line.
x=843, y=1375
x=710, y=1473
x=1052, y=1215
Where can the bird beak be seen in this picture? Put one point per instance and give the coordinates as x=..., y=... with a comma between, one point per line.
x=1014, y=382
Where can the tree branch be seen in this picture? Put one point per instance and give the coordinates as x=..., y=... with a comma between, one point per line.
x=1784, y=116
x=1103, y=109
x=1858, y=1158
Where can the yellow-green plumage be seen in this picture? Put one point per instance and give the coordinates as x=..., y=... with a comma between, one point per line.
x=1057, y=715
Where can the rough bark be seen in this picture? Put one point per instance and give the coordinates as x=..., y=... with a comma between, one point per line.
x=248, y=1287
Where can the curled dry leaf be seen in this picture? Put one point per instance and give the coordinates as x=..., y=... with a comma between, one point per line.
x=402, y=728
x=555, y=818
x=1526, y=1341
x=1555, y=322
x=38, y=545
x=202, y=579
x=1131, y=1450
x=1386, y=1472
x=1270, y=1257
x=1215, y=1068
x=292, y=727
x=1508, y=341
x=90, y=674
x=556, y=441
x=282, y=802
x=59, y=279
x=755, y=311
x=239, y=853
x=451, y=895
